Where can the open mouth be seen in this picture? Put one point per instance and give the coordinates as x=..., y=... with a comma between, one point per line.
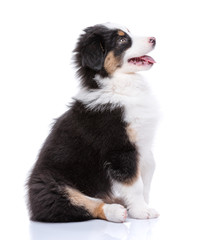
x=143, y=60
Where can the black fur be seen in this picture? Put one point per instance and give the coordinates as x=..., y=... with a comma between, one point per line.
x=86, y=149
x=92, y=49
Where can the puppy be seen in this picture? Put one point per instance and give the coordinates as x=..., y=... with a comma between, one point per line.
x=98, y=153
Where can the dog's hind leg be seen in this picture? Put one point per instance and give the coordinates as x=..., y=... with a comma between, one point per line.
x=96, y=207
x=51, y=202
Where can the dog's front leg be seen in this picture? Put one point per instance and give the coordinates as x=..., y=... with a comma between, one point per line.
x=147, y=166
x=133, y=197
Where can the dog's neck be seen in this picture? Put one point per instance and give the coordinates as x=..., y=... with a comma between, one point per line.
x=125, y=83
x=114, y=90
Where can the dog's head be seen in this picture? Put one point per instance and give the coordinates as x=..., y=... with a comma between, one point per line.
x=106, y=48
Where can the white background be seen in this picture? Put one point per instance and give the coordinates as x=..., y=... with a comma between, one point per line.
x=38, y=81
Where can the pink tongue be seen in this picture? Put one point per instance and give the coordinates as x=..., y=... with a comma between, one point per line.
x=148, y=59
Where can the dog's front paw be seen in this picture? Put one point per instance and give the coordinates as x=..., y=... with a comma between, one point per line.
x=143, y=213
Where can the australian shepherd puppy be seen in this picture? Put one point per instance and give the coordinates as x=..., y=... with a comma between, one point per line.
x=97, y=160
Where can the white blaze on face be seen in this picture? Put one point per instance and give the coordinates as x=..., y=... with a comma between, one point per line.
x=140, y=47
x=134, y=58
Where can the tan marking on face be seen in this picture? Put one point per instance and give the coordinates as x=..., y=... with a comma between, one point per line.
x=120, y=33
x=131, y=133
x=111, y=62
x=92, y=205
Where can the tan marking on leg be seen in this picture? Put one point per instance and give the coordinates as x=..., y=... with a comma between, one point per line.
x=111, y=62
x=110, y=200
x=99, y=212
x=120, y=33
x=132, y=138
x=92, y=205
x=131, y=134
x=131, y=181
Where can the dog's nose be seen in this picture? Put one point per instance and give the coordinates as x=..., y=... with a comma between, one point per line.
x=152, y=40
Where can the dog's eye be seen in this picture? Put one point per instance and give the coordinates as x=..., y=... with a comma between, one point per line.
x=122, y=40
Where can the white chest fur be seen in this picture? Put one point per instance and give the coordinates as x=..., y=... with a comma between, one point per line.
x=141, y=110
x=132, y=92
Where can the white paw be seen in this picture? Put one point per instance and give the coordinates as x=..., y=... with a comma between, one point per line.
x=143, y=213
x=115, y=212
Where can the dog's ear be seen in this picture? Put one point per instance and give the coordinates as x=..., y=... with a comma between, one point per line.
x=93, y=53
